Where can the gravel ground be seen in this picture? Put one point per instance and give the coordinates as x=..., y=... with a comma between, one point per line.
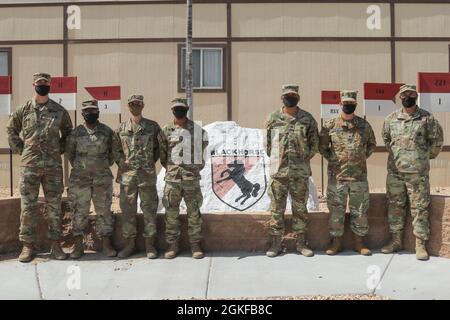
x=319, y=297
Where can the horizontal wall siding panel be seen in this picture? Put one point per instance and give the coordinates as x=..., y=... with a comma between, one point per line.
x=149, y=21
x=306, y=20
x=41, y=23
x=422, y=20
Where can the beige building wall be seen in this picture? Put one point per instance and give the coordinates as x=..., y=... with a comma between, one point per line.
x=158, y=21
x=148, y=69
x=36, y=23
x=422, y=20
x=306, y=20
x=258, y=68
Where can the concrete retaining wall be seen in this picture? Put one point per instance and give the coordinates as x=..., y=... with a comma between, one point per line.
x=242, y=231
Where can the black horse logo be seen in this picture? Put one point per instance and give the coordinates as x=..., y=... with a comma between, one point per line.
x=235, y=172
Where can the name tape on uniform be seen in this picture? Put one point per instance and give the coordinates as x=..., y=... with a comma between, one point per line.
x=379, y=98
x=329, y=104
x=434, y=91
x=108, y=98
x=5, y=95
x=63, y=90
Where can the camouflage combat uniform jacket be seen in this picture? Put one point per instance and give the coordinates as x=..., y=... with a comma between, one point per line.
x=346, y=145
x=183, y=168
x=411, y=141
x=136, y=150
x=298, y=142
x=42, y=144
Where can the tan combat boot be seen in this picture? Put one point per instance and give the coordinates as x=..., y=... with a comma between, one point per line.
x=27, y=253
x=57, y=252
x=335, y=246
x=128, y=250
x=197, y=252
x=172, y=250
x=77, y=249
x=150, y=248
x=359, y=246
x=395, y=244
x=107, y=247
x=421, y=250
x=302, y=247
x=275, y=248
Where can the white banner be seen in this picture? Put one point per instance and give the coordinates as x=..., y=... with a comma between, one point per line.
x=380, y=108
x=329, y=111
x=109, y=106
x=435, y=102
x=67, y=100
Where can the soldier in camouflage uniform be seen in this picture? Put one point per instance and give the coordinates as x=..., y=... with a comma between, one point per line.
x=413, y=137
x=346, y=142
x=44, y=126
x=89, y=150
x=182, y=143
x=136, y=149
x=292, y=140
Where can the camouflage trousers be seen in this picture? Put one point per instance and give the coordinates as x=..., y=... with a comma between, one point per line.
x=192, y=194
x=357, y=193
x=85, y=187
x=128, y=205
x=51, y=179
x=411, y=189
x=298, y=188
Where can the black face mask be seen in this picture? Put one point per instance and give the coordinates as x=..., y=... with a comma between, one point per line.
x=136, y=110
x=42, y=89
x=348, y=108
x=290, y=101
x=409, y=102
x=90, y=118
x=179, y=112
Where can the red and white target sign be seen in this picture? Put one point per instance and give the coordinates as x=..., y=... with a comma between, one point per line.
x=63, y=90
x=5, y=95
x=434, y=91
x=108, y=98
x=379, y=98
x=330, y=104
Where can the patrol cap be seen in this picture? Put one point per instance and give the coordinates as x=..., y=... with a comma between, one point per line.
x=135, y=97
x=407, y=87
x=289, y=88
x=348, y=95
x=41, y=76
x=89, y=104
x=179, y=102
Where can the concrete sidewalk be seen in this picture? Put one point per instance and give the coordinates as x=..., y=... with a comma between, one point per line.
x=223, y=275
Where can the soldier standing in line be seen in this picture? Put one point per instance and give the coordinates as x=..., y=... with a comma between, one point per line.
x=182, y=144
x=412, y=137
x=295, y=132
x=136, y=150
x=346, y=142
x=44, y=125
x=89, y=150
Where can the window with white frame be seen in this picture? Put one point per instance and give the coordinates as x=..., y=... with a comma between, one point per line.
x=207, y=65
